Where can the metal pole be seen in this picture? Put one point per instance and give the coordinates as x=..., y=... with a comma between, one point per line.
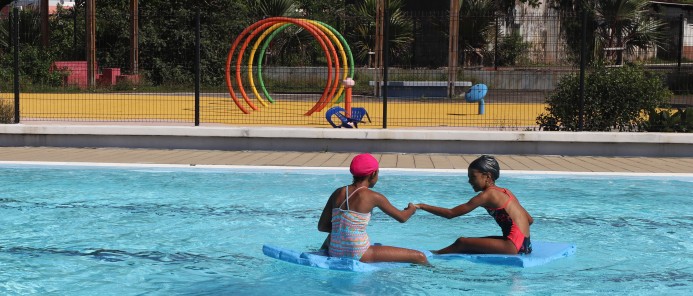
x=15, y=41
x=91, y=42
x=378, y=47
x=495, y=47
x=453, y=45
x=386, y=58
x=197, y=67
x=134, y=37
x=583, y=49
x=74, y=32
x=45, y=28
x=681, y=30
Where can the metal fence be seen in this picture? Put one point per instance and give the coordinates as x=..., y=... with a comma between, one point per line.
x=288, y=68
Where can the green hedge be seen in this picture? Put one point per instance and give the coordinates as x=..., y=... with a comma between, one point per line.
x=615, y=99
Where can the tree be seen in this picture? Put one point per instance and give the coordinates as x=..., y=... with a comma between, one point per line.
x=477, y=23
x=4, y=35
x=269, y=8
x=167, y=38
x=36, y=60
x=67, y=33
x=625, y=25
x=294, y=46
x=331, y=12
x=4, y=3
x=362, y=37
x=611, y=24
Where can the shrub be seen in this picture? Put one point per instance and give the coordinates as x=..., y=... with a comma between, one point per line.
x=663, y=121
x=615, y=99
x=511, y=49
x=6, y=111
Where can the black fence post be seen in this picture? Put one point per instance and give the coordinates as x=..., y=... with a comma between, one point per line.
x=386, y=58
x=680, y=51
x=75, y=55
x=495, y=46
x=15, y=43
x=197, y=67
x=583, y=58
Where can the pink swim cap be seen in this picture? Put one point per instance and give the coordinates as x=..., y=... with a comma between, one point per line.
x=363, y=165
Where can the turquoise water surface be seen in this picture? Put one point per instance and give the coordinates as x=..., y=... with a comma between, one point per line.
x=92, y=230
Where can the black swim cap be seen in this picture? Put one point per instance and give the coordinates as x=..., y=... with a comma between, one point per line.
x=486, y=164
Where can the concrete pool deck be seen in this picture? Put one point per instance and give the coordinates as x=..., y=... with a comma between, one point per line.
x=666, y=153
x=544, y=163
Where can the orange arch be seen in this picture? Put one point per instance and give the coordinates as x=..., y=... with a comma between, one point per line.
x=328, y=47
x=256, y=28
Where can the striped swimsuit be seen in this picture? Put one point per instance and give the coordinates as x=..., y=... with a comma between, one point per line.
x=348, y=238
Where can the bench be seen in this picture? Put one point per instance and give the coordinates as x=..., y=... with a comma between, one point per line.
x=418, y=89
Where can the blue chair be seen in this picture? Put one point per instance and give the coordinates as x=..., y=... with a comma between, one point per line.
x=357, y=115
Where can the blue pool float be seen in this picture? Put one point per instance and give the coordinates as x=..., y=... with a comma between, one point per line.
x=543, y=252
x=321, y=260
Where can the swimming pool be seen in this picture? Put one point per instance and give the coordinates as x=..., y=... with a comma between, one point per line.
x=169, y=230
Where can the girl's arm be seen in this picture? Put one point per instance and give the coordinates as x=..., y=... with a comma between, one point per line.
x=456, y=211
x=326, y=243
x=325, y=222
x=530, y=220
x=401, y=216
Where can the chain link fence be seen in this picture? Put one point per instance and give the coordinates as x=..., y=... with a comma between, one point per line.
x=176, y=68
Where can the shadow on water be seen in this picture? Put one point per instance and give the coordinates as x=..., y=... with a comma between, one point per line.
x=161, y=209
x=110, y=255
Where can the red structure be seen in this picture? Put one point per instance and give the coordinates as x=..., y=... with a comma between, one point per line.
x=108, y=76
x=76, y=74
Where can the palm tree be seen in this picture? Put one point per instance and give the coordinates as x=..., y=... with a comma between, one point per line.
x=362, y=37
x=269, y=8
x=476, y=27
x=623, y=26
x=292, y=37
x=4, y=36
x=616, y=25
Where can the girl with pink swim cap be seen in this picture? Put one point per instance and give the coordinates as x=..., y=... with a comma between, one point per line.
x=348, y=211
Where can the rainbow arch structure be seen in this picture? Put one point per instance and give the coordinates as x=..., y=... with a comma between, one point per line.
x=337, y=53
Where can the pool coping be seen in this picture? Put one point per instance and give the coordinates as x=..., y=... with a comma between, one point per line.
x=256, y=168
x=350, y=140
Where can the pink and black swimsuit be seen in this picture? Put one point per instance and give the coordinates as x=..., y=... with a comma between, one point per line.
x=510, y=230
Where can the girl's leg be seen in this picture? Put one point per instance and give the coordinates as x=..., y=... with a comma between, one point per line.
x=326, y=243
x=393, y=254
x=480, y=245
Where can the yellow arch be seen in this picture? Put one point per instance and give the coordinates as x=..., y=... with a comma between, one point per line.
x=252, y=57
x=342, y=54
x=328, y=32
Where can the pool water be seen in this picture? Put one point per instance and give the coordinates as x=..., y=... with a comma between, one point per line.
x=96, y=230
